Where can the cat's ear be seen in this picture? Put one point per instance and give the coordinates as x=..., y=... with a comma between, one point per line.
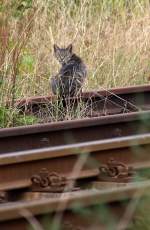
x=69, y=48
x=56, y=48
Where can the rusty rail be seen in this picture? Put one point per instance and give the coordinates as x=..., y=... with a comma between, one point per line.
x=130, y=151
x=134, y=97
x=17, y=215
x=69, y=132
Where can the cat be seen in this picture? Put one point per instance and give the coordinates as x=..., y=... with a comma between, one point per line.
x=73, y=72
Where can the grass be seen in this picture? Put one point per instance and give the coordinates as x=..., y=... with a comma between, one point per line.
x=9, y=117
x=112, y=37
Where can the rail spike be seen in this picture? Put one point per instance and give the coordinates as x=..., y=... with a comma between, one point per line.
x=46, y=181
x=116, y=171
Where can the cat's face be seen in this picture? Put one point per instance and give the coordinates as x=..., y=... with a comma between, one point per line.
x=63, y=55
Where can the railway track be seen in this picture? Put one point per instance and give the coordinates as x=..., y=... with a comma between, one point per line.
x=24, y=165
x=70, y=132
x=130, y=122
x=49, y=169
x=104, y=102
x=95, y=172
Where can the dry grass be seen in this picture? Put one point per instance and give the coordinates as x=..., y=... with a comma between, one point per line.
x=112, y=37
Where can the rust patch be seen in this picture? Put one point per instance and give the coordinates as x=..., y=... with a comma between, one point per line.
x=116, y=171
x=46, y=181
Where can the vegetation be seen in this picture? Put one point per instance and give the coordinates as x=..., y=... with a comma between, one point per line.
x=9, y=117
x=112, y=37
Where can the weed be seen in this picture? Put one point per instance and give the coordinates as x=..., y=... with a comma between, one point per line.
x=112, y=37
x=9, y=117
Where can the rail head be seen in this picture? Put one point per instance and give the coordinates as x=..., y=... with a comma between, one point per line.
x=85, y=198
x=104, y=92
x=74, y=124
x=74, y=149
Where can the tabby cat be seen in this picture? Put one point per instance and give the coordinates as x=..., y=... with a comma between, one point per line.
x=69, y=80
